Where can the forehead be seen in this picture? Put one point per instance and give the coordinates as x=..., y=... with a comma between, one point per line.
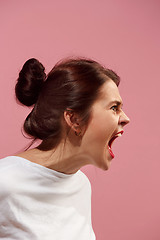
x=110, y=92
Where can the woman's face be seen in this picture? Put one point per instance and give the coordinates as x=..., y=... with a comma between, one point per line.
x=107, y=120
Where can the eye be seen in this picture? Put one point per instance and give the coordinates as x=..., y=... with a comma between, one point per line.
x=114, y=108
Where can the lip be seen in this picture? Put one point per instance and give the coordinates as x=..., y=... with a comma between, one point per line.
x=121, y=132
x=118, y=134
x=112, y=140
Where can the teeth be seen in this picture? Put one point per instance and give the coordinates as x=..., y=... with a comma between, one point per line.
x=114, y=137
x=119, y=135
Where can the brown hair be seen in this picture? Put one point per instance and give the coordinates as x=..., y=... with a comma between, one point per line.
x=71, y=84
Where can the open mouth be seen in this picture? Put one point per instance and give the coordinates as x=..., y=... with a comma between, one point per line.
x=111, y=142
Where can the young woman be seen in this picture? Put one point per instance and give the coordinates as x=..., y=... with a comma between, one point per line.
x=77, y=113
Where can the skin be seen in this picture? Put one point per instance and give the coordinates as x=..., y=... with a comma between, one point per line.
x=91, y=147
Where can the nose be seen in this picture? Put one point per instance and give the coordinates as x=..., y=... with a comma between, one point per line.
x=123, y=120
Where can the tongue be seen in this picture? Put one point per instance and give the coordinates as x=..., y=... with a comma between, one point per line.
x=110, y=151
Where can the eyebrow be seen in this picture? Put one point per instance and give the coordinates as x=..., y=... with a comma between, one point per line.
x=117, y=102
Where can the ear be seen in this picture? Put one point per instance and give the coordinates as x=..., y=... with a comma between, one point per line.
x=72, y=119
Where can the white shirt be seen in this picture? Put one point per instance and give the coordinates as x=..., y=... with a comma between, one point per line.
x=37, y=203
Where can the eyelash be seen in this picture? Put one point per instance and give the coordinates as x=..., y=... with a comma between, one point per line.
x=116, y=107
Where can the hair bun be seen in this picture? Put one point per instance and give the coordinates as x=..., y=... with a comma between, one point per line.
x=30, y=81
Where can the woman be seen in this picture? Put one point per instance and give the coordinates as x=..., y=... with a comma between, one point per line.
x=77, y=113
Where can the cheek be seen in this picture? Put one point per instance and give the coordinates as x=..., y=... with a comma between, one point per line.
x=98, y=133
x=101, y=127
x=104, y=128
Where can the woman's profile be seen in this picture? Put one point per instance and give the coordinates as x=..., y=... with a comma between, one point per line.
x=77, y=114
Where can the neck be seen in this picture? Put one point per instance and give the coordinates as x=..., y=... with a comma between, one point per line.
x=66, y=158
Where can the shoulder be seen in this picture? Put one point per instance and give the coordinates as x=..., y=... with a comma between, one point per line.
x=83, y=177
x=12, y=174
x=84, y=182
x=7, y=165
x=10, y=165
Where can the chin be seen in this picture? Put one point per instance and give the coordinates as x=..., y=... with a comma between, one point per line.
x=106, y=167
x=102, y=162
x=106, y=161
x=105, y=164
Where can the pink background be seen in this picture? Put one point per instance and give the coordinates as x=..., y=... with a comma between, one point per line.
x=125, y=36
